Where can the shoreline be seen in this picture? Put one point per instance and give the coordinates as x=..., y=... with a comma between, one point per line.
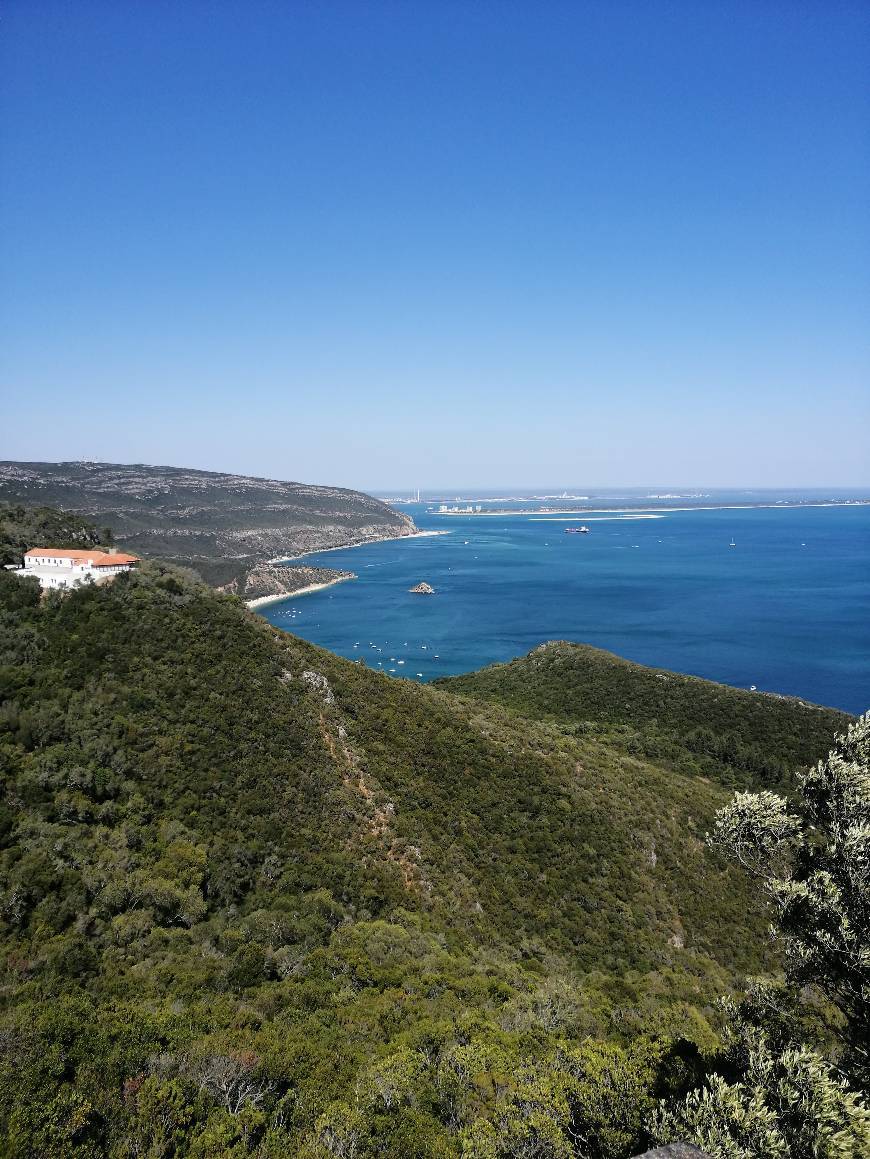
x=622, y=516
x=584, y=511
x=362, y=543
x=261, y=601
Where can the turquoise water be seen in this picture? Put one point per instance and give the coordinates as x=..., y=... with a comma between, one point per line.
x=787, y=609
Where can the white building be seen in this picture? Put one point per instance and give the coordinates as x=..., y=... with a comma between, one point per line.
x=60, y=567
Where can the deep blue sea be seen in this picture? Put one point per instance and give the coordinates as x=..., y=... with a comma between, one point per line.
x=787, y=609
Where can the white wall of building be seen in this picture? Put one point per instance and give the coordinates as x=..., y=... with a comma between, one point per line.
x=63, y=572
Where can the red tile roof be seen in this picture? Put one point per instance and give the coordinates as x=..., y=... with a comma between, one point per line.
x=96, y=557
x=107, y=560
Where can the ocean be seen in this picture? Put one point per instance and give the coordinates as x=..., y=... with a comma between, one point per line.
x=786, y=609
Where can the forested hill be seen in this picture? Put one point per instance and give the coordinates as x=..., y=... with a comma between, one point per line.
x=259, y=900
x=219, y=524
x=744, y=739
x=24, y=527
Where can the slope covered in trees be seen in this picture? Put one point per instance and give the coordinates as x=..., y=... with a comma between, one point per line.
x=257, y=899
x=743, y=739
x=24, y=527
x=794, y=1075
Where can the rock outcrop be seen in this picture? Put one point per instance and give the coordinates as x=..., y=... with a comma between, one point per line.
x=422, y=590
x=269, y=579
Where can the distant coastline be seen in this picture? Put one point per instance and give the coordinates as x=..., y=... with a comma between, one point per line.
x=788, y=603
x=582, y=511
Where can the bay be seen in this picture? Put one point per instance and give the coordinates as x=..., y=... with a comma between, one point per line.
x=787, y=609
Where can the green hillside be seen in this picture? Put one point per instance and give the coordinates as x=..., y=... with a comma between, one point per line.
x=24, y=527
x=221, y=525
x=743, y=739
x=257, y=899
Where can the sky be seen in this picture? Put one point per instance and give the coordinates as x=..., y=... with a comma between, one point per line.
x=390, y=245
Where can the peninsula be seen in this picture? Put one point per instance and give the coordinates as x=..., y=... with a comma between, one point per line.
x=223, y=526
x=268, y=583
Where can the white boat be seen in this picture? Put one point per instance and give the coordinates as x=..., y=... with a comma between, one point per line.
x=732, y=543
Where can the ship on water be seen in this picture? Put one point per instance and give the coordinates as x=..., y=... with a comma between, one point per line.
x=584, y=530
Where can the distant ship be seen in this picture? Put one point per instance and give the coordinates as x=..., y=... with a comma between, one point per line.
x=732, y=543
x=584, y=530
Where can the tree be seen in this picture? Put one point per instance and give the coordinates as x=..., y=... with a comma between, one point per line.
x=787, y=1104
x=814, y=867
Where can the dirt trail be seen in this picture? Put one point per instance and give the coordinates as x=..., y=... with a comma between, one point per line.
x=377, y=818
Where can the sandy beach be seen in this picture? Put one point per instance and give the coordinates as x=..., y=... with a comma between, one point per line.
x=261, y=600
x=362, y=543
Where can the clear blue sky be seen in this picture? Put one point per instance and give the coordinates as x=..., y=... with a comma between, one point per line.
x=388, y=244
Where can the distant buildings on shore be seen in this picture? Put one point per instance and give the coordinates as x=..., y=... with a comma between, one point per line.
x=61, y=567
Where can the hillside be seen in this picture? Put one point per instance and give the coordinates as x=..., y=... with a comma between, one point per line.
x=257, y=899
x=221, y=525
x=25, y=527
x=743, y=739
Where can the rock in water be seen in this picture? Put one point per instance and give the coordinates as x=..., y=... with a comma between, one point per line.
x=422, y=590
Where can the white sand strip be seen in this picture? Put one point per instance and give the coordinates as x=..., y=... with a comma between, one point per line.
x=362, y=543
x=276, y=599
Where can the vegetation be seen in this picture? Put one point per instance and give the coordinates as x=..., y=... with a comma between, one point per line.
x=787, y=1099
x=24, y=527
x=815, y=869
x=743, y=739
x=220, y=525
x=787, y=1102
x=259, y=900
x=276, y=580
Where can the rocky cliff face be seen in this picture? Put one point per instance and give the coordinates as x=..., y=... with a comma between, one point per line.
x=221, y=525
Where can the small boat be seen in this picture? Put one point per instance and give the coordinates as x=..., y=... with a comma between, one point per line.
x=582, y=530
x=732, y=543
